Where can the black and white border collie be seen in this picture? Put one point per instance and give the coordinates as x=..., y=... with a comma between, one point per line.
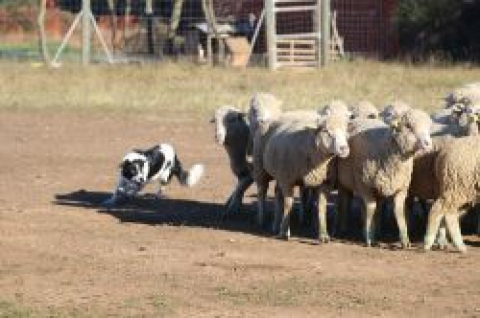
x=140, y=167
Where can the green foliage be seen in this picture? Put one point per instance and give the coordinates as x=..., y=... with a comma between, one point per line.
x=442, y=27
x=18, y=3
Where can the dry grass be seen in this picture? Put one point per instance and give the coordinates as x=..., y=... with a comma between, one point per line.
x=193, y=89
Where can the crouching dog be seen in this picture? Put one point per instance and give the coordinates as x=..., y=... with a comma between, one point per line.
x=140, y=167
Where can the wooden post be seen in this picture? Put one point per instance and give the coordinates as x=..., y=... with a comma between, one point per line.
x=149, y=18
x=86, y=32
x=42, y=34
x=318, y=30
x=113, y=23
x=325, y=13
x=271, y=27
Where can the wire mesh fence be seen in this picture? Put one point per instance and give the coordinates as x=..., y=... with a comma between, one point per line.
x=156, y=30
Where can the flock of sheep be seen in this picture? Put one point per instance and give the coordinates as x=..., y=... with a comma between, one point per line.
x=400, y=153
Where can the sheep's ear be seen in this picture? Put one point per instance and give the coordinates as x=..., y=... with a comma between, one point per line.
x=321, y=122
x=325, y=111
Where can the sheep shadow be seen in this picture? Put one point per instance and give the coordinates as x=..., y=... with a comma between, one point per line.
x=150, y=210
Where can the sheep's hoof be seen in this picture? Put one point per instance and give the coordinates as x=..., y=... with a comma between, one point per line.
x=282, y=237
x=406, y=245
x=427, y=247
x=462, y=249
x=442, y=244
x=324, y=238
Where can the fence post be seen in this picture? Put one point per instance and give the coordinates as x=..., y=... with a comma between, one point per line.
x=317, y=24
x=86, y=32
x=325, y=12
x=271, y=27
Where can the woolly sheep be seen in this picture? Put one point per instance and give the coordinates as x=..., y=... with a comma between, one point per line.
x=364, y=109
x=233, y=133
x=381, y=162
x=297, y=153
x=457, y=173
x=466, y=94
x=263, y=107
x=423, y=185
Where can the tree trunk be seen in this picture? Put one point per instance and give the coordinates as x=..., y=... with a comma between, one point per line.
x=42, y=34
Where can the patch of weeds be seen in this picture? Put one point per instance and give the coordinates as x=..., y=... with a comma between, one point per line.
x=12, y=310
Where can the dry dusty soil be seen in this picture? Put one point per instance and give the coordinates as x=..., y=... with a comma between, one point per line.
x=62, y=254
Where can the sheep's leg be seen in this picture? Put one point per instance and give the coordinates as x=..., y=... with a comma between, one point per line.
x=441, y=239
x=278, y=216
x=262, y=194
x=380, y=211
x=322, y=217
x=369, y=207
x=344, y=205
x=477, y=209
x=287, y=209
x=234, y=203
x=434, y=218
x=304, y=204
x=399, y=209
x=451, y=219
x=478, y=222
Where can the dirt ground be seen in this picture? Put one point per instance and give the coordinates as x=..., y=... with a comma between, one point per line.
x=61, y=254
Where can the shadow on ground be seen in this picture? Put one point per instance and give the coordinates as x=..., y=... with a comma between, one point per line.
x=148, y=209
x=151, y=210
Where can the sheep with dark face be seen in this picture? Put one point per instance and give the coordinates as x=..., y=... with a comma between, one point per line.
x=380, y=164
x=233, y=133
x=297, y=153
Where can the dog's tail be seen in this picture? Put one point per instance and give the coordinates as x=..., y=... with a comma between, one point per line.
x=189, y=177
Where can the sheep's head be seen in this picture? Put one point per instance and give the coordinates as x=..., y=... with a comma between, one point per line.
x=227, y=119
x=263, y=108
x=411, y=131
x=365, y=110
x=332, y=135
x=465, y=95
x=393, y=111
x=337, y=107
x=469, y=120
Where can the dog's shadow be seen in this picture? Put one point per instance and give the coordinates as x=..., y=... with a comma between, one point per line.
x=150, y=210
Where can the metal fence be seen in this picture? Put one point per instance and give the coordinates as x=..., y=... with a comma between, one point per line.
x=131, y=31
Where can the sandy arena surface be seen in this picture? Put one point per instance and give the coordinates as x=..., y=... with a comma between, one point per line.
x=62, y=254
